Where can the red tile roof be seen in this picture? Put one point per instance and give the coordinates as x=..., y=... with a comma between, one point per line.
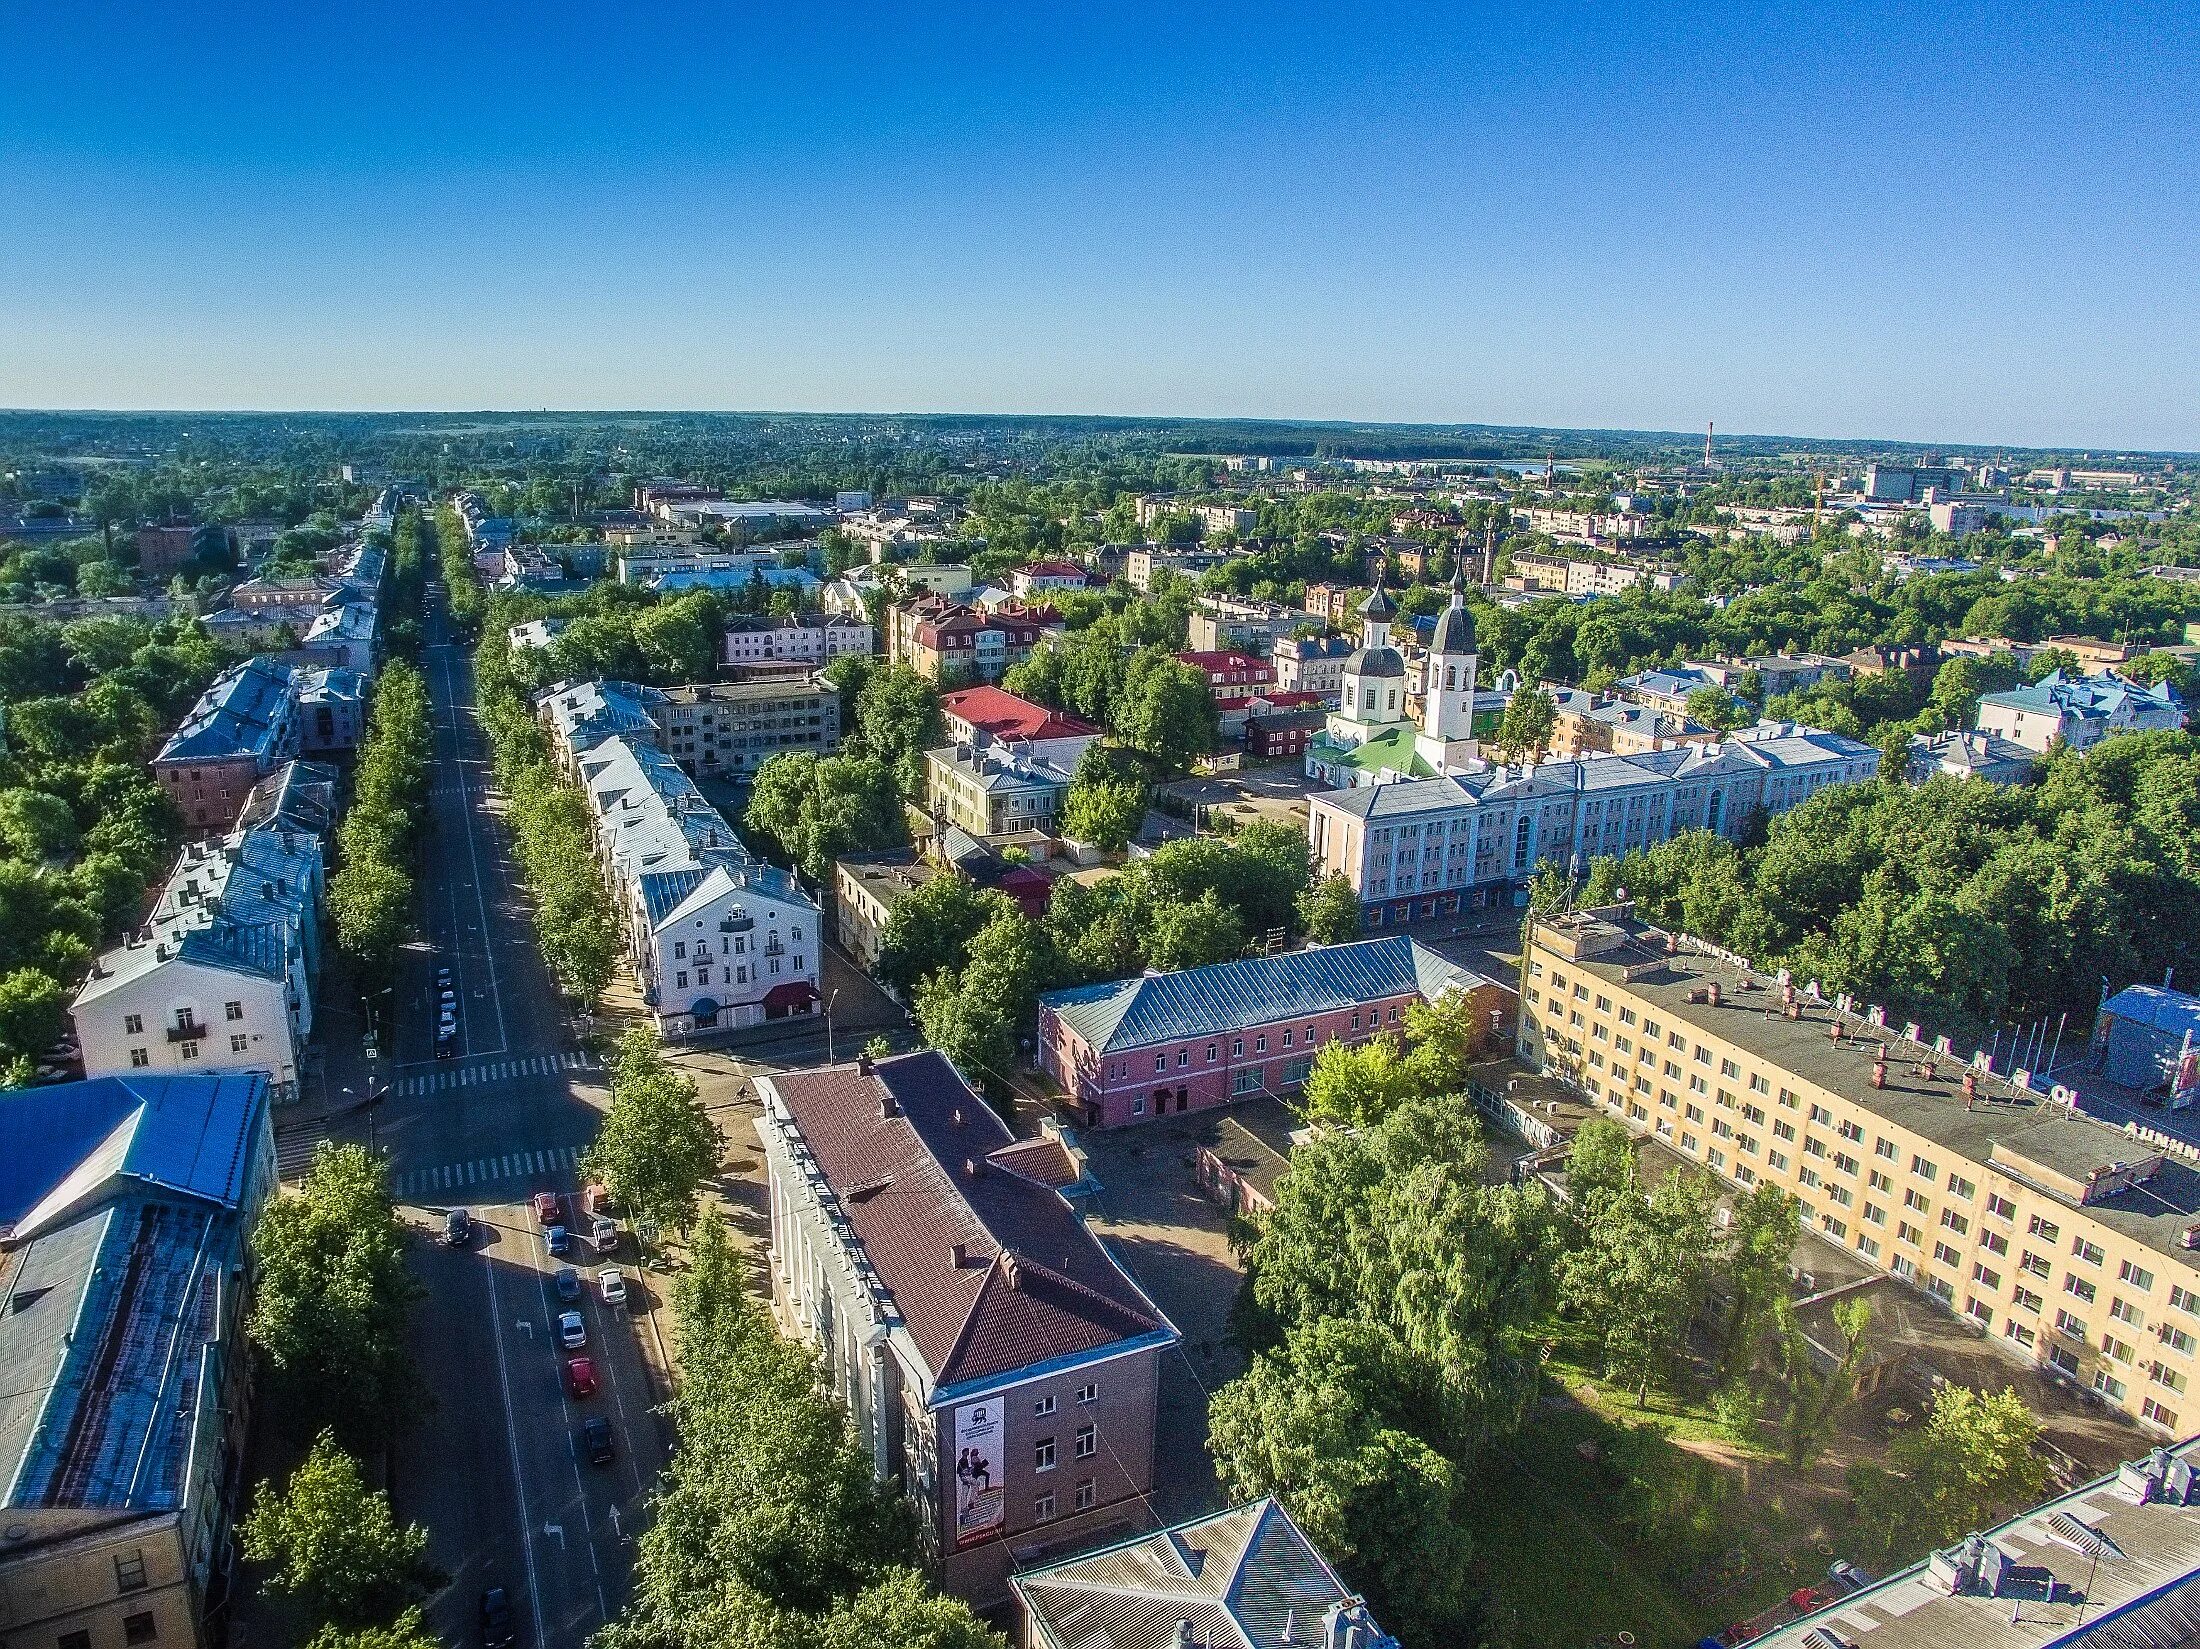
x=1005, y=716
x=990, y=1268
x=1214, y=662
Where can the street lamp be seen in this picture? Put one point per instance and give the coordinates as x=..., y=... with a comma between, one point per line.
x=831, y=997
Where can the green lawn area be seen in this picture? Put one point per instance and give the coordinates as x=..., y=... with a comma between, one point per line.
x=1585, y=1528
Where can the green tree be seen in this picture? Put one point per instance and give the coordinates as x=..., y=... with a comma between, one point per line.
x=657, y=1144
x=35, y=826
x=1972, y=1463
x=1639, y=1271
x=1329, y=911
x=1767, y=1223
x=331, y=1297
x=818, y=809
x=930, y=930
x=1168, y=713
x=1357, y=1083
x=370, y=901
x=1195, y=934
x=335, y=1546
x=1103, y=807
x=408, y=1631
x=1719, y=708
x=32, y=1008
x=1818, y=1392
x=898, y=718
x=1524, y=731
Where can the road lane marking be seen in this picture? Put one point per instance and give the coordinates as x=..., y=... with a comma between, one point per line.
x=511, y=1440
x=473, y=850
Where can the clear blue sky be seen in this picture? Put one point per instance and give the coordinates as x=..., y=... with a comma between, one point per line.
x=1968, y=223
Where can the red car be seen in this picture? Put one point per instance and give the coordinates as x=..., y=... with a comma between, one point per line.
x=547, y=1210
x=580, y=1377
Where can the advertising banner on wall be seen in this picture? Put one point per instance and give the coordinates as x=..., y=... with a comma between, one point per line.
x=980, y=1471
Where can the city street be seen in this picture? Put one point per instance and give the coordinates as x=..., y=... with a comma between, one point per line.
x=493, y=1464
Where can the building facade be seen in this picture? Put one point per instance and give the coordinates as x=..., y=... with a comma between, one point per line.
x=980, y=715
x=2068, y=1241
x=947, y=642
x=995, y=1360
x=2077, y=711
x=244, y=727
x=814, y=639
x=1167, y=1043
x=735, y=727
x=994, y=790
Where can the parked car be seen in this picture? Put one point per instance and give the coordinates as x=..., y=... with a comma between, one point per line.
x=612, y=1281
x=580, y=1377
x=572, y=1332
x=458, y=1228
x=557, y=1240
x=596, y=1198
x=446, y=1041
x=546, y=1208
x=596, y=1440
x=443, y=979
x=567, y=1282
x=496, y=1619
x=603, y=1234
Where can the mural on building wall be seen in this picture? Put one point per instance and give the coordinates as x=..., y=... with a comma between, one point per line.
x=980, y=1470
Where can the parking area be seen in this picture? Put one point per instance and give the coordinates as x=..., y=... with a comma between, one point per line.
x=1150, y=1213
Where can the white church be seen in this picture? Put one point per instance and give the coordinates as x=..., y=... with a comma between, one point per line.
x=1369, y=738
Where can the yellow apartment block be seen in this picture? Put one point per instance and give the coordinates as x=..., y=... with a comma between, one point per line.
x=2076, y=1244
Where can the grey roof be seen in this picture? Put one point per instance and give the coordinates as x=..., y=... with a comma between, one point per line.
x=1259, y=990
x=245, y=904
x=1454, y=631
x=1378, y=604
x=1240, y=1579
x=1375, y=661
x=242, y=714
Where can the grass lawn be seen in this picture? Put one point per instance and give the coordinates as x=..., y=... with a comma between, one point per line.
x=1585, y=1528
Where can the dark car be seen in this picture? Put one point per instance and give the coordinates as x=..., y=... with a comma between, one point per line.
x=458, y=1228
x=567, y=1282
x=496, y=1619
x=596, y=1440
x=557, y=1240
x=446, y=1042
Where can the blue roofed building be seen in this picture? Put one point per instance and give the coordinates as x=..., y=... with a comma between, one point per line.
x=1201, y=1037
x=125, y=1209
x=244, y=727
x=2148, y=1037
x=2078, y=711
x=1246, y=1578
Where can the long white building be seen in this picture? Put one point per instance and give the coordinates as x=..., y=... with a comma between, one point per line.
x=1421, y=848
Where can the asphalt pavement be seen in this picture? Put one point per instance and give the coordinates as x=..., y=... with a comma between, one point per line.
x=493, y=1464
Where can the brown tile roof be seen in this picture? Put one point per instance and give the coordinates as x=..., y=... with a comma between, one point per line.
x=1032, y=1284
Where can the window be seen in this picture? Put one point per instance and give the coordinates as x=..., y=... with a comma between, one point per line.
x=2138, y=1276
x=1184, y=1055
x=133, y=1024
x=1958, y=1186
x=1088, y=1393
x=139, y=1058
x=234, y=1010
x=188, y=1050
x=130, y=1570
x=2108, y=1385
x=1820, y=1115
x=2072, y=1326
x=139, y=1629
x=1908, y=1233
x=1727, y=1068
x=2125, y=1312
x=1993, y=1242
x=1138, y=1106
x=2090, y=1252
x=1042, y=1508
x=1783, y=1130
x=1852, y=1132
x=1160, y=1063
x=2026, y=1299
x=1211, y=1052
x=1923, y=1170
x=74, y=1640
x=1879, y=1182
x=1044, y=1406
x=1867, y=1247
x=1088, y=1442
x=2113, y=1347
x=2163, y=1375
x=2047, y=1229
x=238, y=1044
x=1874, y=1214
x=2034, y=1263
x=1981, y=1274
x=2063, y=1360
x=2080, y=1287
x=1884, y=1148
x=1260, y=1043
x=2183, y=1298
x=2000, y=1206
x=1946, y=1255
x=2165, y=1418
x=2176, y=1339
x=1955, y=1222
x=1088, y=1495
x=1914, y=1198
x=1043, y=1455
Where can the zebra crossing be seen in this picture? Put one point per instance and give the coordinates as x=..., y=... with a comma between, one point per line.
x=294, y=1153
x=502, y=1070
x=482, y=1171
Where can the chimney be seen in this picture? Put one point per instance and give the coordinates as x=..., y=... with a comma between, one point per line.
x=959, y=1255
x=973, y=1167
x=863, y=1068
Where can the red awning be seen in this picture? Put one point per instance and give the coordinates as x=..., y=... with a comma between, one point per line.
x=798, y=993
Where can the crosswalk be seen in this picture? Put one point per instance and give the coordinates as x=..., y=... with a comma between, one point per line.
x=502, y=1070
x=484, y=1171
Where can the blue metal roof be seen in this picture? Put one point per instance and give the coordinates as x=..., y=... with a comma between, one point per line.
x=664, y=891
x=2164, y=1010
x=191, y=1134
x=241, y=714
x=1260, y=990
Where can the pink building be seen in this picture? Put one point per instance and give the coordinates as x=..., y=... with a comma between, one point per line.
x=1170, y=1042
x=1232, y=676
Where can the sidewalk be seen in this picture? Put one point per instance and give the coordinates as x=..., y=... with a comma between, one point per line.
x=333, y=1081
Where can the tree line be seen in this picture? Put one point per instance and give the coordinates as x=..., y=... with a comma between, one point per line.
x=370, y=898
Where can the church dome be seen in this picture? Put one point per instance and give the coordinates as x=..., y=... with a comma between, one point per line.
x=1375, y=661
x=1454, y=632
x=1379, y=606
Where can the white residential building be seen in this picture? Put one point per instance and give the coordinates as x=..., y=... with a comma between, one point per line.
x=2078, y=711
x=814, y=639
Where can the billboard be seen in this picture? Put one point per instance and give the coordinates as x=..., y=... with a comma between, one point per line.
x=981, y=1489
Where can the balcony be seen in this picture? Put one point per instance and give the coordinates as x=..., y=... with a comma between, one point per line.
x=189, y=1031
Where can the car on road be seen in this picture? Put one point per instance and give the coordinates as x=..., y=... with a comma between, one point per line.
x=446, y=1042
x=572, y=1332
x=546, y=1208
x=580, y=1377
x=612, y=1281
x=603, y=1234
x=496, y=1619
x=458, y=1228
x=596, y=1440
x=567, y=1282
x=557, y=1240
x=442, y=979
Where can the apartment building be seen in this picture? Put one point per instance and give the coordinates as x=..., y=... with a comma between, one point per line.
x=2070, y=1242
x=244, y=726
x=735, y=727
x=866, y=888
x=1143, y=562
x=1046, y=578
x=1423, y=848
x=1311, y=664
x=1165, y=1043
x=221, y=974
x=2078, y=711
x=1333, y=604
x=1232, y=677
x=994, y=790
x=1228, y=623
x=947, y=641
x=1586, y=725
x=1212, y=518
x=125, y=1217
x=814, y=639
x=718, y=939
x=996, y=1362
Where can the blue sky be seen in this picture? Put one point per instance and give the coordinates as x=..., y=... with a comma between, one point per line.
x=1962, y=223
